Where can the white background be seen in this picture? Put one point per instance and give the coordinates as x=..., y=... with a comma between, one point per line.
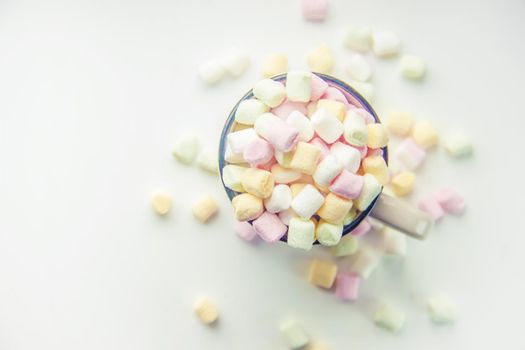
x=92, y=96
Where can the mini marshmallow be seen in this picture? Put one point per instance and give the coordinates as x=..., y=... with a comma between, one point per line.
x=258, y=182
x=314, y=10
x=328, y=234
x=430, y=205
x=249, y=110
x=232, y=177
x=400, y=123
x=322, y=273
x=393, y=242
x=377, y=136
x=441, y=309
x=287, y=107
x=364, y=89
x=269, y=227
x=161, y=203
x=363, y=113
x=307, y=202
x=362, y=229
x=355, y=129
x=212, y=72
x=283, y=137
x=296, y=188
x=327, y=170
x=207, y=160
x=204, y=209
x=425, y=134
x=369, y=192
x=305, y=158
x=363, y=150
x=409, y=154
x=334, y=209
x=451, y=201
x=186, y=148
x=270, y=92
x=239, y=139
x=346, y=155
x=327, y=126
x=236, y=62
x=321, y=59
x=347, y=246
x=298, y=86
x=385, y=43
x=244, y=230
x=231, y=157
x=376, y=166
x=358, y=68
x=247, y=207
x=412, y=67
x=318, y=87
x=458, y=145
x=334, y=94
x=358, y=38
x=206, y=310
x=284, y=158
x=286, y=216
x=347, y=286
x=284, y=176
x=302, y=123
x=389, y=317
x=347, y=185
x=317, y=142
x=350, y=216
x=257, y=152
x=403, y=183
x=275, y=64
x=294, y=335
x=311, y=108
x=336, y=108
x=280, y=200
x=301, y=233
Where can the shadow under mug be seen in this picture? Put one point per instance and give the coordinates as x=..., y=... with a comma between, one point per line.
x=391, y=211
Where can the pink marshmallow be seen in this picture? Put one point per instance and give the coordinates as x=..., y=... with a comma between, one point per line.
x=267, y=166
x=362, y=229
x=374, y=152
x=347, y=185
x=319, y=87
x=269, y=227
x=335, y=94
x=257, y=152
x=410, y=154
x=450, y=201
x=316, y=141
x=347, y=286
x=314, y=10
x=362, y=149
x=430, y=205
x=369, y=118
x=283, y=137
x=287, y=107
x=244, y=230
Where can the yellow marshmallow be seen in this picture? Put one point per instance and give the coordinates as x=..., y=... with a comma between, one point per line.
x=238, y=127
x=334, y=209
x=403, y=183
x=376, y=166
x=305, y=158
x=321, y=59
x=284, y=176
x=425, y=134
x=296, y=188
x=400, y=123
x=321, y=188
x=377, y=136
x=322, y=273
x=284, y=158
x=206, y=311
x=275, y=64
x=305, y=179
x=258, y=182
x=335, y=107
x=204, y=209
x=247, y=207
x=161, y=203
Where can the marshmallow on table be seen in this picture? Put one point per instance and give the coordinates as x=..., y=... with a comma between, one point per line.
x=207, y=160
x=282, y=136
x=186, y=148
x=232, y=177
x=376, y=166
x=458, y=145
x=385, y=43
x=355, y=129
x=249, y=110
x=206, y=310
x=322, y=273
x=269, y=91
x=275, y=64
x=409, y=154
x=284, y=158
x=328, y=234
x=365, y=263
x=336, y=108
x=370, y=190
x=347, y=185
x=362, y=229
x=377, y=135
x=321, y=59
x=364, y=89
x=307, y=202
x=403, y=183
x=318, y=87
x=294, y=335
x=412, y=67
x=327, y=170
x=305, y=158
x=204, y=209
x=451, y=201
x=258, y=182
x=389, y=317
x=287, y=107
x=334, y=209
x=280, y=200
x=441, y=309
x=236, y=62
x=425, y=134
x=314, y=10
x=244, y=230
x=269, y=227
x=283, y=175
x=347, y=286
x=431, y=206
x=232, y=157
x=212, y=72
x=286, y=216
x=247, y=207
x=347, y=246
x=358, y=38
x=393, y=242
x=161, y=203
x=301, y=233
x=399, y=123
x=358, y=68
x=238, y=140
x=257, y=152
x=317, y=142
x=298, y=86
x=303, y=124
x=347, y=155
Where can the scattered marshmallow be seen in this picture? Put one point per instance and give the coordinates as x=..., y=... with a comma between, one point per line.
x=441, y=309
x=298, y=86
x=301, y=233
x=269, y=91
x=236, y=62
x=244, y=230
x=403, y=183
x=269, y=227
x=247, y=207
x=451, y=201
x=400, y=123
x=377, y=135
x=328, y=234
x=458, y=145
x=347, y=286
x=412, y=67
x=258, y=182
x=314, y=10
x=232, y=177
x=327, y=170
x=207, y=160
x=186, y=148
x=305, y=158
x=307, y=202
x=347, y=155
x=385, y=44
x=409, y=154
x=358, y=68
x=249, y=110
x=204, y=209
x=431, y=206
x=238, y=140
x=294, y=335
x=425, y=134
x=275, y=64
x=322, y=273
x=206, y=310
x=283, y=137
x=355, y=130
x=334, y=209
x=283, y=175
x=376, y=166
x=161, y=203
x=211, y=72
x=358, y=38
x=321, y=59
x=303, y=124
x=389, y=317
x=365, y=263
x=393, y=242
x=347, y=246
x=327, y=126
x=280, y=200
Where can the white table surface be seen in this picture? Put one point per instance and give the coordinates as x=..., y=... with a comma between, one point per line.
x=92, y=96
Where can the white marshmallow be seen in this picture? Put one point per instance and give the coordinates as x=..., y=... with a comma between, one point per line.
x=412, y=67
x=307, y=202
x=301, y=123
x=207, y=160
x=355, y=130
x=327, y=126
x=358, y=68
x=389, y=317
x=280, y=199
x=294, y=335
x=287, y=215
x=328, y=234
x=365, y=89
x=236, y=62
x=458, y=145
x=186, y=148
x=365, y=263
x=299, y=86
x=371, y=189
x=348, y=156
x=409, y=155
x=393, y=242
x=231, y=157
x=271, y=92
x=232, y=177
x=441, y=309
x=327, y=170
x=212, y=72
x=358, y=38
x=301, y=233
x=238, y=140
x=249, y=110
x=385, y=43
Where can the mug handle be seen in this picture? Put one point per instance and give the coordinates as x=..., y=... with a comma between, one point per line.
x=402, y=216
